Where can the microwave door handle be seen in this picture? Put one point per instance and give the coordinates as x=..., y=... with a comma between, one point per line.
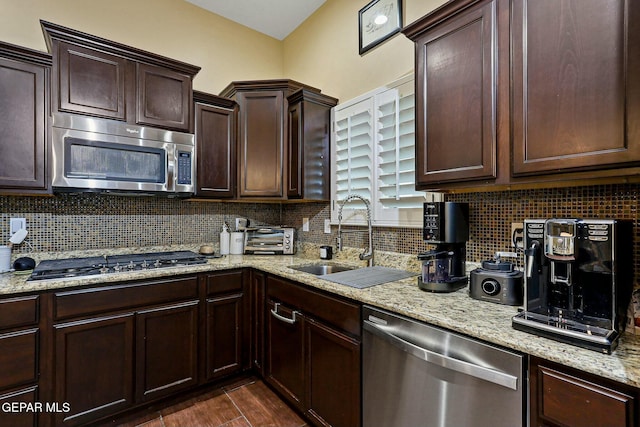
x=171, y=167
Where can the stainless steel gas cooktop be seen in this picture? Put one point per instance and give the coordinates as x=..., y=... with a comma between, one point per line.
x=92, y=266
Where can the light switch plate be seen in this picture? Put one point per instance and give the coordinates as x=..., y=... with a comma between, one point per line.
x=305, y=224
x=327, y=226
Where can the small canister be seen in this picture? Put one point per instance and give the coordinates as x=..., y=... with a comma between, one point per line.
x=326, y=252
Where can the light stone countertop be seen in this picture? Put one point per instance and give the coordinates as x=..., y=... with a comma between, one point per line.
x=455, y=311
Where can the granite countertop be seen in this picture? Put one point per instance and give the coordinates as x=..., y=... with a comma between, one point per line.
x=455, y=311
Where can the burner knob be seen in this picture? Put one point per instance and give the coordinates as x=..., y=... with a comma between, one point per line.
x=157, y=264
x=104, y=269
x=117, y=268
x=131, y=265
x=144, y=265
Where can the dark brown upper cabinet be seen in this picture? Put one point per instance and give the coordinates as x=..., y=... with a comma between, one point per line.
x=24, y=97
x=276, y=129
x=517, y=93
x=456, y=99
x=98, y=77
x=576, y=85
x=215, y=129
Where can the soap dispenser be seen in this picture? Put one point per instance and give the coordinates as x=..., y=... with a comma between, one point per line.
x=224, y=240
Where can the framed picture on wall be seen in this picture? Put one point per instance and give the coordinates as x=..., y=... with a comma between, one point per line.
x=378, y=21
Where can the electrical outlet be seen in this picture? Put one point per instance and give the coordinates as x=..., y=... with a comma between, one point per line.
x=16, y=224
x=305, y=224
x=517, y=235
x=327, y=226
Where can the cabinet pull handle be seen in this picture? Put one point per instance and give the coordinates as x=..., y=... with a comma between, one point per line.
x=278, y=316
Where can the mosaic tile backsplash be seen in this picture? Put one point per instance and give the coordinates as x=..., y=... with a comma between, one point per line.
x=93, y=221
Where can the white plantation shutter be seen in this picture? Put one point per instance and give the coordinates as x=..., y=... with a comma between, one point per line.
x=396, y=197
x=352, y=165
x=374, y=156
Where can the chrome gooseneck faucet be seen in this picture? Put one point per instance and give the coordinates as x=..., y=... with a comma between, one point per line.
x=368, y=254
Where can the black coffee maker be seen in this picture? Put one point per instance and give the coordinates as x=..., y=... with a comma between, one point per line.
x=578, y=280
x=446, y=224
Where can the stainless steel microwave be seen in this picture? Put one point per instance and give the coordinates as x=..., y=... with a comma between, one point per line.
x=94, y=154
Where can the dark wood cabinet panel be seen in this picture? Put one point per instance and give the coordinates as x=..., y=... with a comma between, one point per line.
x=257, y=315
x=308, y=145
x=564, y=397
x=332, y=355
x=576, y=97
x=166, y=350
x=20, y=418
x=93, y=367
x=225, y=318
x=456, y=102
x=99, y=77
x=215, y=130
x=90, y=82
x=261, y=149
x=19, y=358
x=284, y=367
x=24, y=85
x=19, y=311
x=164, y=98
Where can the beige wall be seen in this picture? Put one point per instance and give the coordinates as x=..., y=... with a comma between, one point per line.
x=225, y=50
x=322, y=52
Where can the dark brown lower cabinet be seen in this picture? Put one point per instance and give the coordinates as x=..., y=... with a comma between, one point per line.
x=312, y=352
x=333, y=372
x=224, y=340
x=257, y=310
x=166, y=350
x=565, y=397
x=94, y=361
x=285, y=356
x=15, y=417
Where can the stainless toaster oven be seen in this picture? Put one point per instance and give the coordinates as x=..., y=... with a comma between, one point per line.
x=269, y=241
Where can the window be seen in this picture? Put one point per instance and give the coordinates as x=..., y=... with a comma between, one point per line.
x=374, y=156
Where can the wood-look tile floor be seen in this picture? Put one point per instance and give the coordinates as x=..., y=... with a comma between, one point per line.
x=247, y=403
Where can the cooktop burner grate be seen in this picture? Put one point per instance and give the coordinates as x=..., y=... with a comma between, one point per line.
x=79, y=267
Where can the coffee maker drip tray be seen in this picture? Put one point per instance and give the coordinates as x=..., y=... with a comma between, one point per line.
x=567, y=330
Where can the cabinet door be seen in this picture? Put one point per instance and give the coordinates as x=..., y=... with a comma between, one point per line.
x=216, y=151
x=261, y=147
x=18, y=358
x=576, y=95
x=164, y=98
x=567, y=398
x=284, y=353
x=333, y=372
x=456, y=107
x=224, y=335
x=93, y=367
x=90, y=82
x=166, y=350
x=22, y=126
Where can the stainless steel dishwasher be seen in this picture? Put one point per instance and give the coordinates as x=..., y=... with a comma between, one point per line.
x=416, y=375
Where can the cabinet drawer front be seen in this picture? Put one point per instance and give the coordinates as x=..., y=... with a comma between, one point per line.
x=570, y=401
x=121, y=297
x=224, y=282
x=19, y=418
x=342, y=314
x=15, y=312
x=18, y=358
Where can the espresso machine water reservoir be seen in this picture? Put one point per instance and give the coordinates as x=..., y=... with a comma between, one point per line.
x=578, y=280
x=446, y=224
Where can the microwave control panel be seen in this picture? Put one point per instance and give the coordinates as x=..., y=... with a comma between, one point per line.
x=184, y=168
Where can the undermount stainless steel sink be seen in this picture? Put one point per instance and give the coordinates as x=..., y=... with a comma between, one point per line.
x=322, y=269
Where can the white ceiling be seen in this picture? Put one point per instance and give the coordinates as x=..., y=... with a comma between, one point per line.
x=275, y=18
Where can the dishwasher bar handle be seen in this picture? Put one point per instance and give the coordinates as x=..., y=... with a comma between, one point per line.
x=446, y=362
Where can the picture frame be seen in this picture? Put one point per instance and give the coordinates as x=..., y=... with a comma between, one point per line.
x=377, y=22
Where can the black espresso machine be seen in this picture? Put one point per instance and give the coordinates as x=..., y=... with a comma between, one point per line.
x=446, y=224
x=578, y=280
